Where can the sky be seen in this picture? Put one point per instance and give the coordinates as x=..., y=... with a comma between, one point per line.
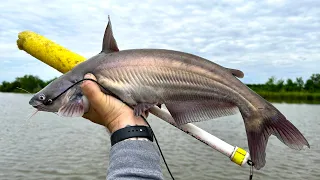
x=261, y=38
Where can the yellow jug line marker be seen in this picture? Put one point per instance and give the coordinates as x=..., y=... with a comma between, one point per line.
x=48, y=51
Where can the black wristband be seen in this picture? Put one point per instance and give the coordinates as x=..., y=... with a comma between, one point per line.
x=131, y=131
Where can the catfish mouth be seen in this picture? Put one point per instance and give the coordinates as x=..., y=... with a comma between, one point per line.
x=36, y=104
x=38, y=107
x=41, y=107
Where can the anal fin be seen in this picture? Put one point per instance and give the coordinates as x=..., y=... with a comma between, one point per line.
x=184, y=112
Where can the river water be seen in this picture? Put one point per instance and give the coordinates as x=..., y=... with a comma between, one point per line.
x=51, y=147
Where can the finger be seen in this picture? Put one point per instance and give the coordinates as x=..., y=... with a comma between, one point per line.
x=93, y=116
x=87, y=82
x=92, y=91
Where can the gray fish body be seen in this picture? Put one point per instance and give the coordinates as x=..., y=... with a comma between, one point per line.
x=160, y=76
x=192, y=88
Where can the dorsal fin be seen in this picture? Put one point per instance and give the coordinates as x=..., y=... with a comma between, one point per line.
x=109, y=43
x=236, y=72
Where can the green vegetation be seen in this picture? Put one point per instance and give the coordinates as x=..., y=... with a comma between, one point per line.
x=289, y=91
x=312, y=85
x=291, y=97
x=28, y=82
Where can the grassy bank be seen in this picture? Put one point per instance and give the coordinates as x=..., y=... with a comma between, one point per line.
x=291, y=97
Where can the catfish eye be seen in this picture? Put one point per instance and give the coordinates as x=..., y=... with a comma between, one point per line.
x=42, y=97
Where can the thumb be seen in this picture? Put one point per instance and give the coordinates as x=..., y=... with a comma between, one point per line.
x=92, y=91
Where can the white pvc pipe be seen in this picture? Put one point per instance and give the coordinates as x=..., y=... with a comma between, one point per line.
x=210, y=140
x=236, y=154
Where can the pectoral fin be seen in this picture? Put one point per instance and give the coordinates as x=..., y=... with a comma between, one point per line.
x=74, y=108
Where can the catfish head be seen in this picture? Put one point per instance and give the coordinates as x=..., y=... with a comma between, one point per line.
x=62, y=96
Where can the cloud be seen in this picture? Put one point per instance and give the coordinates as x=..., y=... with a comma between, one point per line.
x=262, y=38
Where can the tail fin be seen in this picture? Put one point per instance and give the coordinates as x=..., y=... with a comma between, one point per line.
x=262, y=124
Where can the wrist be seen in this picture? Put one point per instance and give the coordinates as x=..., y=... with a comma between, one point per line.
x=142, y=133
x=125, y=120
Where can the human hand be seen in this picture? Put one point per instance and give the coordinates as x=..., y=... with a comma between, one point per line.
x=107, y=110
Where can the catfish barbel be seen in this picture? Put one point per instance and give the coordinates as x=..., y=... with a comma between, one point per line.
x=192, y=88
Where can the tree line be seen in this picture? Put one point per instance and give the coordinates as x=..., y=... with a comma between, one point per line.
x=312, y=85
x=29, y=83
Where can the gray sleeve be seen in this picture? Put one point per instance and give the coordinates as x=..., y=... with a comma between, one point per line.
x=134, y=159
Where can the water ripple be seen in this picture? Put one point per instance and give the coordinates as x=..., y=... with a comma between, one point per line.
x=50, y=147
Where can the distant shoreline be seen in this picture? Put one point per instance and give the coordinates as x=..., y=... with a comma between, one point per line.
x=274, y=97
x=279, y=91
x=291, y=97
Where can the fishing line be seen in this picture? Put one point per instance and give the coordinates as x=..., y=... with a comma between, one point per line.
x=50, y=101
